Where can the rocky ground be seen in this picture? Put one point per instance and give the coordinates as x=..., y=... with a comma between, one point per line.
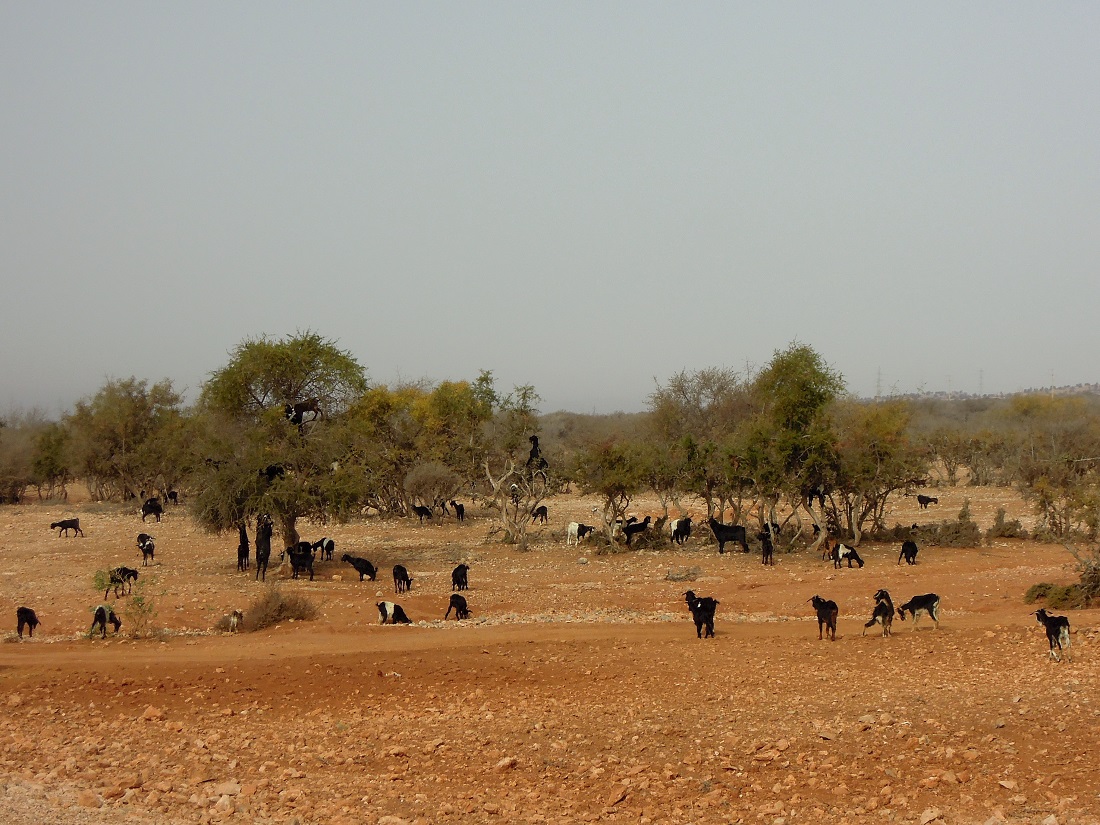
x=577, y=692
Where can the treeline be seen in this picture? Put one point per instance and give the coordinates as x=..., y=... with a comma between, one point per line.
x=293, y=428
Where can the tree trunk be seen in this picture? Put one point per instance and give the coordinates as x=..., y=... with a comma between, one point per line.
x=288, y=526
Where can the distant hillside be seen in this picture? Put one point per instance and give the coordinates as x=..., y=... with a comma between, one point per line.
x=1075, y=389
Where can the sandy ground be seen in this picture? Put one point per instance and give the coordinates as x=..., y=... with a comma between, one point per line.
x=577, y=692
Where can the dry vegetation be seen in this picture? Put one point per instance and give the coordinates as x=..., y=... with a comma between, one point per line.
x=577, y=692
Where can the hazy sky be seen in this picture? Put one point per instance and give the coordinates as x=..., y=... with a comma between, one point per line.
x=580, y=196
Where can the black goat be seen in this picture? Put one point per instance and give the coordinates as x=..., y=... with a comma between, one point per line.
x=65, y=525
x=883, y=613
x=460, y=510
x=728, y=533
x=767, y=549
x=272, y=472
x=362, y=566
x=402, y=582
x=702, y=612
x=908, y=552
x=152, y=507
x=422, y=512
x=25, y=617
x=242, y=548
x=924, y=501
x=928, y=603
x=1057, y=628
x=393, y=612
x=327, y=547
x=172, y=496
x=147, y=547
x=680, y=529
x=631, y=530
x=295, y=413
x=540, y=514
x=458, y=605
x=264, y=528
x=841, y=552
x=121, y=577
x=103, y=616
x=827, y=612
x=301, y=558
x=460, y=577
x=535, y=461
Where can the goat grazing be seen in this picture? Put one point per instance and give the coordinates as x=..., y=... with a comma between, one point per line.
x=65, y=525
x=422, y=512
x=702, y=612
x=121, y=577
x=908, y=552
x=172, y=496
x=301, y=558
x=928, y=603
x=1057, y=628
x=327, y=547
x=631, y=530
x=460, y=510
x=460, y=577
x=577, y=532
x=402, y=583
x=728, y=533
x=827, y=612
x=680, y=529
x=841, y=552
x=362, y=566
x=393, y=612
x=458, y=605
x=539, y=514
x=151, y=507
x=924, y=501
x=883, y=613
x=147, y=548
x=264, y=529
x=767, y=548
x=236, y=618
x=25, y=617
x=242, y=548
x=103, y=616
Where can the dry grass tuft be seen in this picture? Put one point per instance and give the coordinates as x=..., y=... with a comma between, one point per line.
x=274, y=607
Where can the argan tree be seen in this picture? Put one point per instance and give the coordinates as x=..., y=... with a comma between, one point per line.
x=253, y=457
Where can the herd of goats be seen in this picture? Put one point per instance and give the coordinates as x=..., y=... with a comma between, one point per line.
x=302, y=556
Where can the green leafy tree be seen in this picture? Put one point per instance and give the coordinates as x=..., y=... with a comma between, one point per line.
x=877, y=459
x=791, y=443
x=616, y=472
x=255, y=459
x=1058, y=460
x=122, y=440
x=50, y=467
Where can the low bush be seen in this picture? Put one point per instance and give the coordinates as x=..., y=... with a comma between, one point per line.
x=1057, y=596
x=274, y=607
x=1003, y=529
x=138, y=611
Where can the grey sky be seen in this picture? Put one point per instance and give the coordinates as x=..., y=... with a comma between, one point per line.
x=579, y=196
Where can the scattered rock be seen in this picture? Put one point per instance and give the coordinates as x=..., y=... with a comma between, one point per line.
x=930, y=815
